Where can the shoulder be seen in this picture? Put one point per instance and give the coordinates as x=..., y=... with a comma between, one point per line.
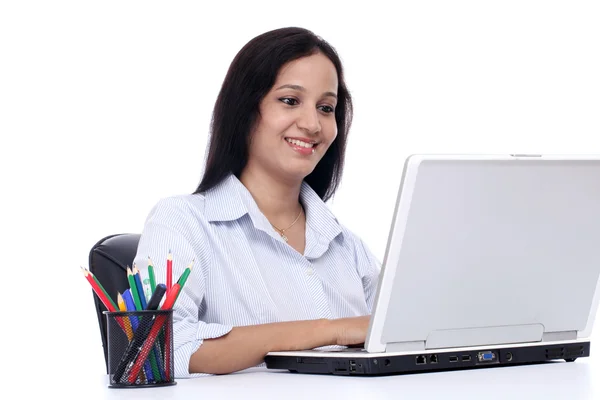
x=178, y=207
x=177, y=222
x=181, y=214
x=361, y=250
x=351, y=238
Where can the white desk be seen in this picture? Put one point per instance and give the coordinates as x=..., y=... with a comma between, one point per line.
x=560, y=380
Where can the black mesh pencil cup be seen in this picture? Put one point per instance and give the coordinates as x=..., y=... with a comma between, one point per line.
x=140, y=348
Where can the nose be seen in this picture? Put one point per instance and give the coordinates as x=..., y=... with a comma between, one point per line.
x=308, y=121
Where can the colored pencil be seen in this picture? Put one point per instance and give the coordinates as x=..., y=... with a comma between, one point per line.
x=155, y=356
x=104, y=291
x=169, y=271
x=130, y=305
x=127, y=322
x=156, y=327
x=102, y=295
x=134, y=290
x=151, y=275
x=128, y=327
x=183, y=278
x=140, y=288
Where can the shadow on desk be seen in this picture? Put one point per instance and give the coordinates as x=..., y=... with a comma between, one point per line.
x=556, y=380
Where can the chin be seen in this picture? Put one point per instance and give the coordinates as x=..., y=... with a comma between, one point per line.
x=297, y=171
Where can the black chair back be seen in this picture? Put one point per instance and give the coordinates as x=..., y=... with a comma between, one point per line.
x=108, y=260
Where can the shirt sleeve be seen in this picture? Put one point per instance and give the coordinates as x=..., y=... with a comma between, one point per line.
x=369, y=268
x=172, y=226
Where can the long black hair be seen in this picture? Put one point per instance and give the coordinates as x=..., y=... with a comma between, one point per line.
x=251, y=75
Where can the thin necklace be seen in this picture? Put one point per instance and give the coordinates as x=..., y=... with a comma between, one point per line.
x=282, y=231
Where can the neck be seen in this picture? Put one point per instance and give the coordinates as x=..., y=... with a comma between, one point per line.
x=277, y=199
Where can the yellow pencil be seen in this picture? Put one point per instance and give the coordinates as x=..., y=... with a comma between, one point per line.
x=123, y=307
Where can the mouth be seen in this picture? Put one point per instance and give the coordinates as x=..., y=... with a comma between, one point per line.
x=302, y=146
x=308, y=144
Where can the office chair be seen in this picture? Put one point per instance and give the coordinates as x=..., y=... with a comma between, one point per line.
x=108, y=260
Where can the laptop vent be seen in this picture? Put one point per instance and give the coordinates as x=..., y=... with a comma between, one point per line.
x=564, y=352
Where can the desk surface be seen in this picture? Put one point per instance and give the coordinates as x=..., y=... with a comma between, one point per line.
x=558, y=380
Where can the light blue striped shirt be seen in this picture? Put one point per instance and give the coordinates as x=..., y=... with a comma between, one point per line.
x=244, y=273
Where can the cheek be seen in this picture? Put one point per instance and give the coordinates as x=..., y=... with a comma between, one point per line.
x=330, y=131
x=275, y=122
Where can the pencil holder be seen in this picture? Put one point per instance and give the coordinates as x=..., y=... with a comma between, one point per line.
x=140, y=348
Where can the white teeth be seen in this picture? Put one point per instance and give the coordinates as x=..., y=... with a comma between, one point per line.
x=300, y=143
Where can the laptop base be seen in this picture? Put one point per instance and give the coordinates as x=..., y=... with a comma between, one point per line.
x=382, y=364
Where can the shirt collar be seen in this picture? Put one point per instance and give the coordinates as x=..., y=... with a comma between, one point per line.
x=230, y=200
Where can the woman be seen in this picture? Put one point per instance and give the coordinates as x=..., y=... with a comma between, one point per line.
x=273, y=269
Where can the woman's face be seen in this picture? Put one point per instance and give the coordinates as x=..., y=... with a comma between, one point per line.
x=296, y=122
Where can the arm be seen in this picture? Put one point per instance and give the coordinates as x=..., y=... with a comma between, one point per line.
x=369, y=268
x=201, y=347
x=246, y=346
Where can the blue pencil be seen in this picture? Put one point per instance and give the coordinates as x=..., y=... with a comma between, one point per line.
x=140, y=287
x=130, y=304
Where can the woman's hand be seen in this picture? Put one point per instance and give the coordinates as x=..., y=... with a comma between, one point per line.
x=351, y=331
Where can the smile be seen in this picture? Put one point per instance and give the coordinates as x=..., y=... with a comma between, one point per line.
x=301, y=146
x=296, y=142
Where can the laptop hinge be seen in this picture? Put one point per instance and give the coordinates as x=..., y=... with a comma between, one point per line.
x=405, y=346
x=556, y=336
x=484, y=336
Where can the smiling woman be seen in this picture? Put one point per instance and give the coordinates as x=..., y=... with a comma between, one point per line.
x=299, y=115
x=274, y=269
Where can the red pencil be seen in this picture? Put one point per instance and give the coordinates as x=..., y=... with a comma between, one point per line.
x=99, y=292
x=169, y=271
x=102, y=295
x=149, y=342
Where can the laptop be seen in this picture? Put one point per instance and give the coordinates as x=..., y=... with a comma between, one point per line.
x=491, y=260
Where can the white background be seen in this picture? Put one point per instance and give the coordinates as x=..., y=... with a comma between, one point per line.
x=105, y=108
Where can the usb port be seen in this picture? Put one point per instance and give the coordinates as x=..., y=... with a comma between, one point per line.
x=453, y=358
x=466, y=357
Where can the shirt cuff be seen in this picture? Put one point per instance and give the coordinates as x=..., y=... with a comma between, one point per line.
x=183, y=352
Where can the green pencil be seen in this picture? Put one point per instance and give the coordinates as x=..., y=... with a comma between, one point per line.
x=184, y=278
x=104, y=291
x=134, y=290
x=151, y=274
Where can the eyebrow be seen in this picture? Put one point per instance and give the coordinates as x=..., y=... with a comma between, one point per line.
x=302, y=89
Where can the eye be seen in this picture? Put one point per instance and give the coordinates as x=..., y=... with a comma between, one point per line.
x=289, y=101
x=326, y=109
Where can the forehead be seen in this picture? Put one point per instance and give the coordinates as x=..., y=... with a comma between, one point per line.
x=315, y=72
